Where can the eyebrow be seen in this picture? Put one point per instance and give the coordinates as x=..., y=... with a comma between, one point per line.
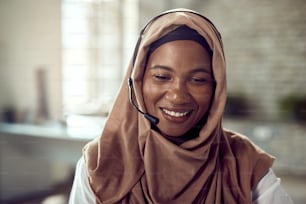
x=171, y=70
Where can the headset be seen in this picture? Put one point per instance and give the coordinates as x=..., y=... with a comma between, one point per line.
x=149, y=117
x=153, y=120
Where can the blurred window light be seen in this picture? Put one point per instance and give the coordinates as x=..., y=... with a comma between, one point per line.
x=98, y=37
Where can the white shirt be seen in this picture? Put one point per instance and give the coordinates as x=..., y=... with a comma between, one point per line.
x=267, y=191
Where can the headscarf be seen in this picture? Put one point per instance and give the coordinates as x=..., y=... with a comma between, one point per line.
x=182, y=32
x=131, y=162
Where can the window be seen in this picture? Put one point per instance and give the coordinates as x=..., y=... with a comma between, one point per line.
x=98, y=38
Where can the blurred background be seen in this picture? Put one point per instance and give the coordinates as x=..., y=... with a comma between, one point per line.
x=62, y=62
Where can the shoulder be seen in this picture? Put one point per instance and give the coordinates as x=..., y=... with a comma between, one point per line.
x=247, y=156
x=239, y=145
x=269, y=190
x=242, y=145
x=81, y=191
x=236, y=139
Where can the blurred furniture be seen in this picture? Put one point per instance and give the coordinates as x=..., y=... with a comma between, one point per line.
x=34, y=159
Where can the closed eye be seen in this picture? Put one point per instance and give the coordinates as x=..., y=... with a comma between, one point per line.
x=161, y=77
x=201, y=80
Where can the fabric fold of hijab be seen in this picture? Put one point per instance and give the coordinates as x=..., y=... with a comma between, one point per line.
x=133, y=163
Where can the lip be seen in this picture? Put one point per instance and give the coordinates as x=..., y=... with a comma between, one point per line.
x=176, y=115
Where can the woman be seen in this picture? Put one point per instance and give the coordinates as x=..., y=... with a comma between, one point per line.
x=178, y=152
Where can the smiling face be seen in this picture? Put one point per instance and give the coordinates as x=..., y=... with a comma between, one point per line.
x=177, y=85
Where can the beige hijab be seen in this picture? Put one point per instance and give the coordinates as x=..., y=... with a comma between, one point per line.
x=131, y=163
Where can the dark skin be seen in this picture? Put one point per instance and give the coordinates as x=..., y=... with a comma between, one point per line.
x=177, y=86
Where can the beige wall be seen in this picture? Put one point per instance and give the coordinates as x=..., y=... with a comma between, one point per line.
x=29, y=39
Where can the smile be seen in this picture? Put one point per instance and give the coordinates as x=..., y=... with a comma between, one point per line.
x=175, y=113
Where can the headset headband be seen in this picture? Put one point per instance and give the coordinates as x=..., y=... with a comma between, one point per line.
x=168, y=12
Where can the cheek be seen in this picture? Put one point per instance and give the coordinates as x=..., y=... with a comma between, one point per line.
x=150, y=94
x=203, y=101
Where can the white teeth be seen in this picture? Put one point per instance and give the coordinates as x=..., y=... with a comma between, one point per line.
x=175, y=114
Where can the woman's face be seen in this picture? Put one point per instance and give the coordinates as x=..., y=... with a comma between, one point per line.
x=177, y=85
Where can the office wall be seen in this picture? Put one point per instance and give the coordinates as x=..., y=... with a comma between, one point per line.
x=265, y=44
x=30, y=40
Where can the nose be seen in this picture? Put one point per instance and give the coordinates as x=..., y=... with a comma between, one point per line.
x=178, y=93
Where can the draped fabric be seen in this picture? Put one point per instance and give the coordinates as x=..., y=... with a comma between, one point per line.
x=133, y=163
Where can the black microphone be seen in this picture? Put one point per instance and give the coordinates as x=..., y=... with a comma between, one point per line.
x=149, y=117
